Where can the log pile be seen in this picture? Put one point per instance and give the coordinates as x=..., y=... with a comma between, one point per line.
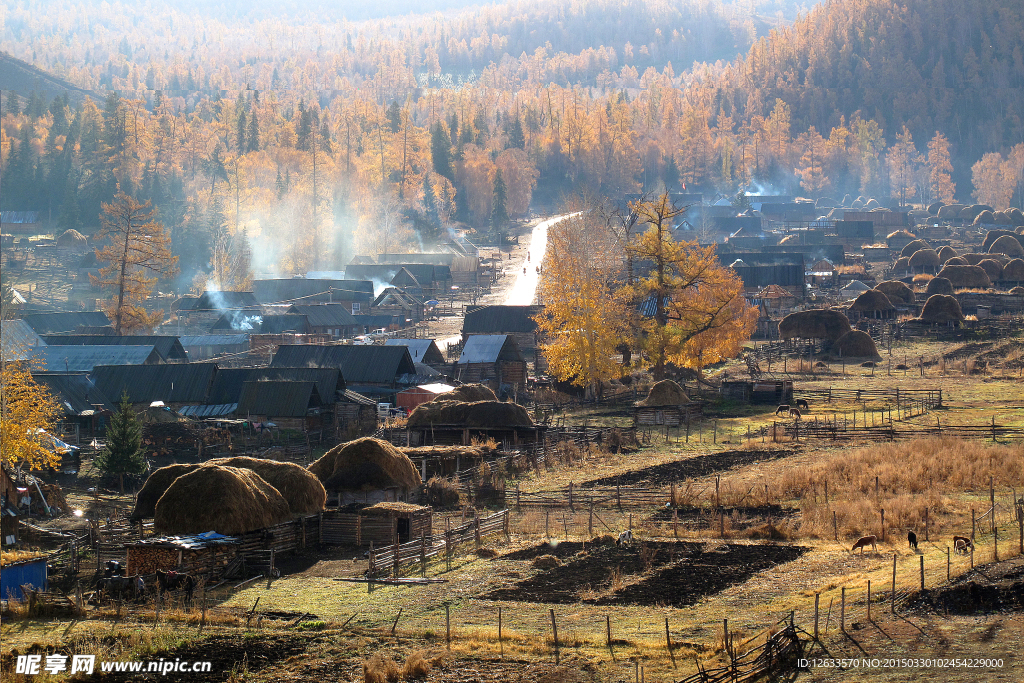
x=147, y=558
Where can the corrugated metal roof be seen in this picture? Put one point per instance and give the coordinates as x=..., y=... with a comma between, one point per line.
x=227, y=385
x=325, y=315
x=500, y=319
x=172, y=383
x=19, y=217
x=354, y=397
x=74, y=390
x=167, y=346
x=201, y=412
x=55, y=323
x=421, y=350
x=214, y=340
x=490, y=348
x=394, y=296
x=311, y=290
x=358, y=364
x=222, y=301
x=436, y=259
x=278, y=399
x=18, y=340
x=84, y=358
x=193, y=542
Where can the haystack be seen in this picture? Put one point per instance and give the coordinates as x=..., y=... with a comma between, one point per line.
x=966, y=277
x=950, y=212
x=974, y=259
x=364, y=465
x=941, y=308
x=816, y=324
x=857, y=204
x=924, y=260
x=897, y=292
x=956, y=261
x=947, y=252
x=468, y=393
x=902, y=265
x=873, y=304
x=479, y=414
x=1014, y=271
x=447, y=452
x=1007, y=245
x=156, y=484
x=1001, y=218
x=992, y=268
x=856, y=344
x=228, y=500
x=789, y=239
x=871, y=204
x=301, y=489
x=1017, y=291
x=72, y=239
x=915, y=245
x=938, y=285
x=933, y=209
x=900, y=236
x=1016, y=216
x=665, y=393
x=983, y=218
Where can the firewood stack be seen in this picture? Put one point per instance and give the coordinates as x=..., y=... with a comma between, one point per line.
x=147, y=558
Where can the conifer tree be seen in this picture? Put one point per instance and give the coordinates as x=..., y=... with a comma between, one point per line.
x=123, y=452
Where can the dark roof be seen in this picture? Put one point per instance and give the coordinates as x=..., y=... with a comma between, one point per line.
x=372, y=322
x=393, y=296
x=84, y=358
x=173, y=383
x=169, y=347
x=421, y=350
x=500, y=319
x=214, y=340
x=445, y=259
x=18, y=340
x=243, y=321
x=278, y=399
x=403, y=278
x=227, y=385
x=222, y=301
x=55, y=323
x=75, y=391
x=324, y=315
x=358, y=364
x=490, y=348
x=261, y=324
x=425, y=273
x=301, y=290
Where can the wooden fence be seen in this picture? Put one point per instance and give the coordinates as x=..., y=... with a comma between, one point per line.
x=781, y=652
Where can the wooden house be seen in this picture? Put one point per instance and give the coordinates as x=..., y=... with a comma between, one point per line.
x=383, y=523
x=760, y=391
x=288, y=404
x=401, y=302
x=168, y=347
x=374, y=371
x=515, y=321
x=328, y=319
x=422, y=350
x=491, y=358
x=210, y=306
x=353, y=295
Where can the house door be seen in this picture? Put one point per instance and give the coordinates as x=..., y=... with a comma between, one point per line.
x=403, y=530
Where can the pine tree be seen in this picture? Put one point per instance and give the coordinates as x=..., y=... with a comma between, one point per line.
x=514, y=129
x=240, y=132
x=499, y=209
x=123, y=452
x=253, y=134
x=13, y=105
x=441, y=152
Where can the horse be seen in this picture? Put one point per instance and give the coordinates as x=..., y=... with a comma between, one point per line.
x=794, y=413
x=625, y=538
x=962, y=545
x=171, y=581
x=120, y=587
x=912, y=539
x=803, y=404
x=784, y=409
x=864, y=542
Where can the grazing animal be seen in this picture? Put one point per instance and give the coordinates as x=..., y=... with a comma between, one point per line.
x=782, y=409
x=803, y=404
x=794, y=413
x=119, y=587
x=962, y=545
x=912, y=539
x=864, y=542
x=172, y=581
x=625, y=538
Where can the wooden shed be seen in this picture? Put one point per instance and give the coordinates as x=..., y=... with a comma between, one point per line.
x=381, y=524
x=207, y=553
x=666, y=404
x=760, y=391
x=414, y=396
x=493, y=358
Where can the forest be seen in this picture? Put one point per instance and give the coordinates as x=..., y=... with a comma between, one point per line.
x=315, y=141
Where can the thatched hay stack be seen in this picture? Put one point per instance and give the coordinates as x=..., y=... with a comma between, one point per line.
x=1001, y=218
x=871, y=301
x=816, y=324
x=871, y=204
x=938, y=285
x=157, y=482
x=945, y=253
x=857, y=204
x=966, y=277
x=856, y=344
x=365, y=465
x=941, y=308
x=971, y=212
x=1014, y=271
x=992, y=268
x=1016, y=216
x=1019, y=231
x=933, y=209
x=480, y=414
x=72, y=239
x=897, y=292
x=901, y=236
x=847, y=199
x=956, y=261
x=301, y=489
x=902, y=265
x=228, y=500
x=974, y=259
x=983, y=218
x=665, y=393
x=925, y=259
x=1007, y=245
x=950, y=212
x=468, y=393
x=992, y=235
x=909, y=249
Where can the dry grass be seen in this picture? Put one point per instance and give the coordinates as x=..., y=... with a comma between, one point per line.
x=381, y=669
x=10, y=556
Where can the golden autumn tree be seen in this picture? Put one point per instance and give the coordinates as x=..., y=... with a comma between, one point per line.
x=940, y=169
x=693, y=308
x=137, y=253
x=583, y=321
x=27, y=411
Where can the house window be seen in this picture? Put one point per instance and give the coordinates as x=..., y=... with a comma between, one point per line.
x=355, y=306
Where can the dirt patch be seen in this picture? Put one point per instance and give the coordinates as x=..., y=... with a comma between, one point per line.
x=675, y=574
x=997, y=587
x=698, y=466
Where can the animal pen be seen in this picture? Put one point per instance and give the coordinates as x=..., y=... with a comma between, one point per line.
x=380, y=524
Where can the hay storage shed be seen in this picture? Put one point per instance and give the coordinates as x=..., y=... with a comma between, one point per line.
x=898, y=293
x=992, y=268
x=815, y=324
x=366, y=471
x=74, y=240
x=760, y=391
x=873, y=304
x=856, y=344
x=1014, y=271
x=443, y=422
x=912, y=247
x=899, y=239
x=924, y=261
x=156, y=484
x=938, y=285
x=301, y=489
x=902, y=265
x=383, y=523
x=947, y=252
x=228, y=500
x=942, y=309
x=966, y=277
x=666, y=404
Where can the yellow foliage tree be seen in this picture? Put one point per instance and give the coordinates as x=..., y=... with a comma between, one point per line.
x=695, y=313
x=26, y=407
x=137, y=254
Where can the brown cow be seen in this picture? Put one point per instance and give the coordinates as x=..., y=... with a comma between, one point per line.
x=962, y=545
x=864, y=542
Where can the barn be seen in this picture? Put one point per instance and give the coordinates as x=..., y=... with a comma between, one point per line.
x=492, y=358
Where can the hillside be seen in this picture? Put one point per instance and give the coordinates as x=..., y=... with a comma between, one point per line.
x=20, y=76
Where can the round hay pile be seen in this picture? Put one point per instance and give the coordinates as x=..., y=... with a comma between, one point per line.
x=1014, y=271
x=927, y=259
x=1007, y=245
x=1016, y=216
x=983, y=218
x=72, y=239
x=966, y=277
x=992, y=268
x=365, y=465
x=941, y=308
x=957, y=261
x=911, y=247
x=157, y=482
x=228, y=500
x=847, y=199
x=938, y=285
x=971, y=212
x=857, y=203
x=945, y=253
x=871, y=204
x=933, y=209
x=816, y=324
x=897, y=292
x=1001, y=218
x=974, y=259
x=856, y=344
x=900, y=236
x=950, y=212
x=546, y=562
x=665, y=393
x=871, y=301
x=481, y=414
x=992, y=235
x=468, y=393
x=902, y=265
x=301, y=489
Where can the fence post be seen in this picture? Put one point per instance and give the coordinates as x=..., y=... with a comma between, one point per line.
x=883, y=525
x=817, y=597
x=554, y=629
x=476, y=529
x=869, y=599
x=842, y=610
x=922, y=571
x=570, y=497
x=608, y=630
x=973, y=524
x=992, y=501
x=397, y=553
x=835, y=526
x=448, y=625
x=423, y=553
x=501, y=643
x=894, y=583
x=926, y=523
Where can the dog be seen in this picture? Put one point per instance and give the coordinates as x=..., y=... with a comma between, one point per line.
x=625, y=538
x=962, y=545
x=912, y=539
x=803, y=404
x=864, y=542
x=784, y=409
